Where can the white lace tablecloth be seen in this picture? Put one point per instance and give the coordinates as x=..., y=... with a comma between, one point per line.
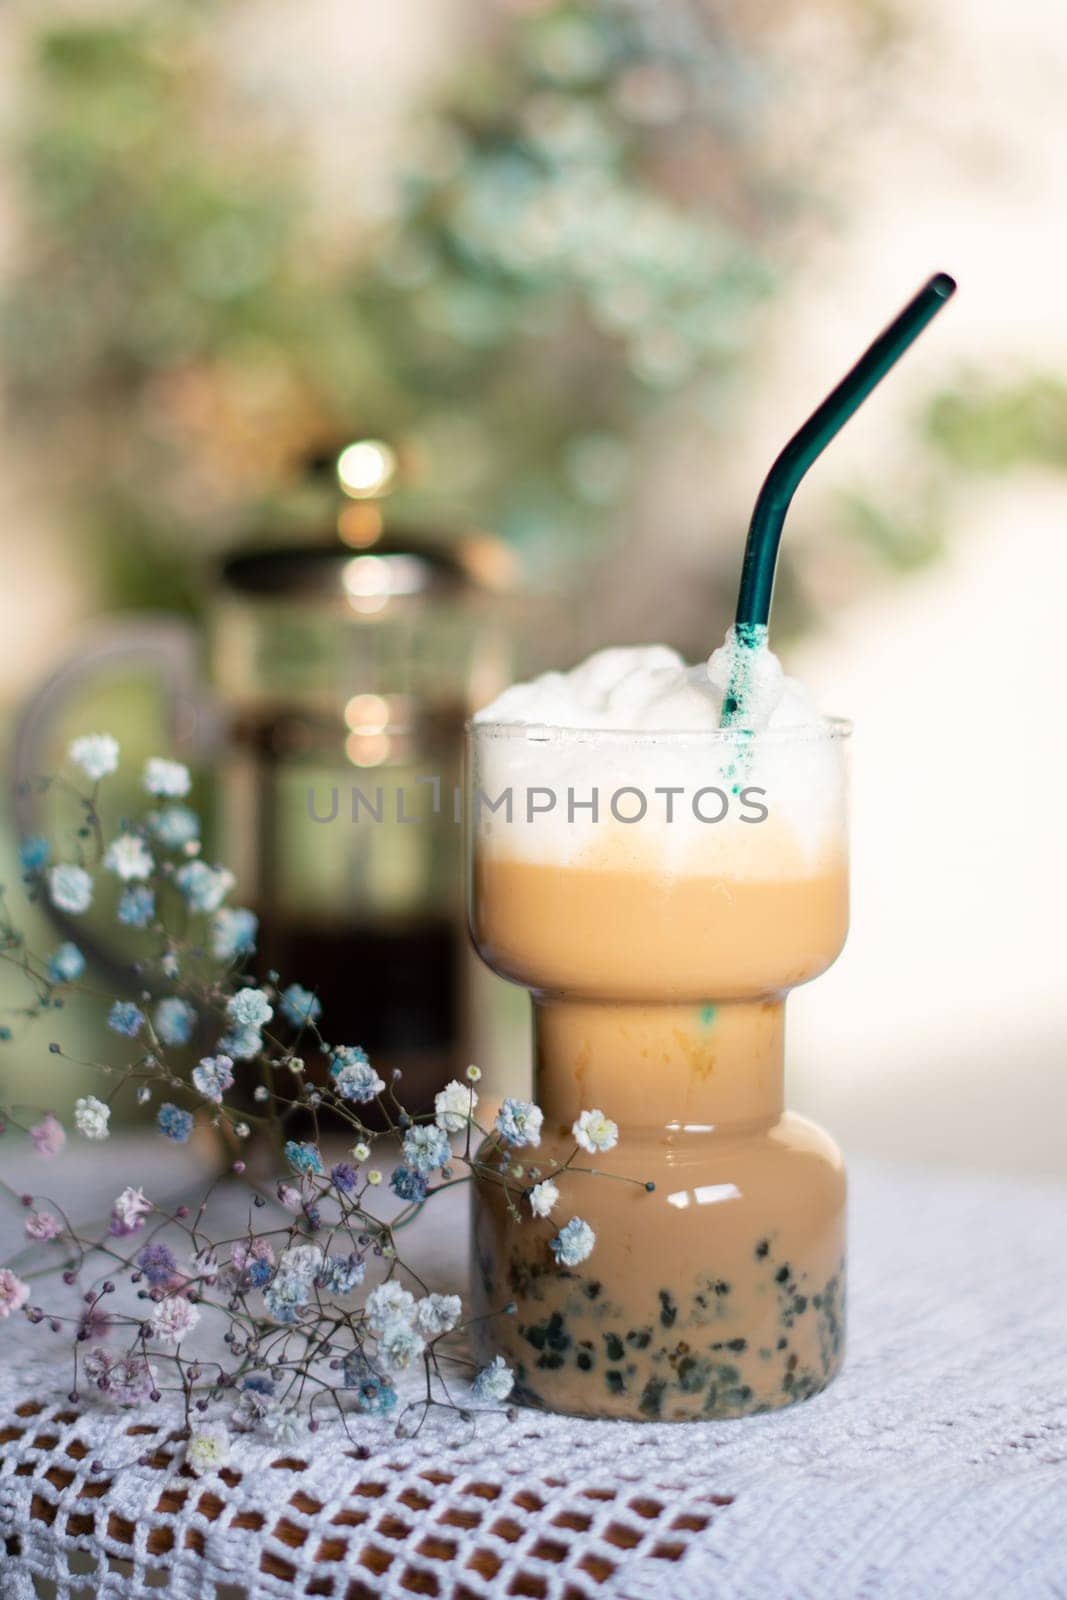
x=935, y=1468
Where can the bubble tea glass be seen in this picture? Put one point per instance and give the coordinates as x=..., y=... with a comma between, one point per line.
x=659, y=929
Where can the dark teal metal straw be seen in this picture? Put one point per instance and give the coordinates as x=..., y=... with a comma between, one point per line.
x=805, y=447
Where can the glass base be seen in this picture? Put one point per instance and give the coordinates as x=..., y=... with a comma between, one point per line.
x=719, y=1295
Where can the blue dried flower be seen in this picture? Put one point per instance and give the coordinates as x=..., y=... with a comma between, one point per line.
x=258, y=1273
x=137, y=906
x=213, y=1075
x=519, y=1122
x=66, y=963
x=204, y=887
x=174, y=1122
x=174, y=1021
x=34, y=852
x=573, y=1243
x=241, y=1044
x=350, y=1055
x=286, y=1295
x=341, y=1274
x=249, y=1008
x=426, y=1147
x=303, y=1158
x=175, y=826
x=233, y=932
x=158, y=1263
x=258, y=1383
x=126, y=1018
x=374, y=1393
x=408, y=1185
x=300, y=1006
x=353, y=1076
x=344, y=1177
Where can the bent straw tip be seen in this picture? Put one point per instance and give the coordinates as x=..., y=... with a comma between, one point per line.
x=942, y=285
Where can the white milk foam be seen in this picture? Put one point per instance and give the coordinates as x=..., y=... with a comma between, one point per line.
x=633, y=718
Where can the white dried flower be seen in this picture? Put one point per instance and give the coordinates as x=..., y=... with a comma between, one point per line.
x=543, y=1197
x=70, y=888
x=573, y=1243
x=494, y=1382
x=129, y=857
x=438, y=1313
x=91, y=1117
x=96, y=753
x=594, y=1131
x=399, y=1345
x=168, y=778
x=301, y=1260
x=453, y=1106
x=283, y=1424
x=386, y=1302
x=208, y=1448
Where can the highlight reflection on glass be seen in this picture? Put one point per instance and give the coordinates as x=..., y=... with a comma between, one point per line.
x=707, y=1194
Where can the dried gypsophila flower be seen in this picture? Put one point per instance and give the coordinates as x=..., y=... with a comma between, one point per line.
x=254, y=1281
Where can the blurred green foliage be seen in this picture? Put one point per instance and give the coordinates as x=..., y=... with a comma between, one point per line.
x=981, y=426
x=904, y=533
x=581, y=232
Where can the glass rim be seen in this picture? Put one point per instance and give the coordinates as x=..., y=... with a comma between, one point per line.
x=829, y=730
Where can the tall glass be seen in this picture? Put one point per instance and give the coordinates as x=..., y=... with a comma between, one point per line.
x=659, y=894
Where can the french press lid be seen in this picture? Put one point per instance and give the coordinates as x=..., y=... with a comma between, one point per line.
x=398, y=565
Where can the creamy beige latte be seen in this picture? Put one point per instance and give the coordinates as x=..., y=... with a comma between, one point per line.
x=658, y=963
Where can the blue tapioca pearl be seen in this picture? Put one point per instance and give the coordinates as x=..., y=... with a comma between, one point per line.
x=693, y=1374
x=651, y=1401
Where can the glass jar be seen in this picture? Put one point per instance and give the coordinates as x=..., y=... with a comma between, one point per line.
x=659, y=894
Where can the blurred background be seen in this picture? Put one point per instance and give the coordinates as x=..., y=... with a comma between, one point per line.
x=357, y=360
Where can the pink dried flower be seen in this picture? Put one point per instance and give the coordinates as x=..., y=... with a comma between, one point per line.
x=93, y=1324
x=290, y=1197
x=128, y=1213
x=48, y=1136
x=43, y=1225
x=128, y=1380
x=13, y=1292
x=173, y=1319
x=246, y=1251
